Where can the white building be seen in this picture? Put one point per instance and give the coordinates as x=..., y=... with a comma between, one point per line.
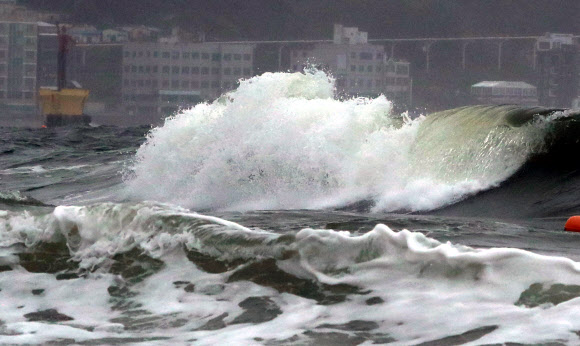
x=85, y=34
x=113, y=36
x=360, y=68
x=502, y=92
x=161, y=78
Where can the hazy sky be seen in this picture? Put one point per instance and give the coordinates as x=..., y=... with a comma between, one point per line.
x=269, y=19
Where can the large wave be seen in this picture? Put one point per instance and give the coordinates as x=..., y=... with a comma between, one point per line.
x=282, y=141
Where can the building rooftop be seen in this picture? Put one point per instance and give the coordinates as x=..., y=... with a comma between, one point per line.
x=503, y=84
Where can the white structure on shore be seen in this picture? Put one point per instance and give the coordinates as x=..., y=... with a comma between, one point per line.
x=502, y=92
x=360, y=68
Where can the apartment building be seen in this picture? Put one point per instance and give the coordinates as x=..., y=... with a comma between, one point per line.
x=18, y=65
x=162, y=78
x=360, y=68
x=558, y=61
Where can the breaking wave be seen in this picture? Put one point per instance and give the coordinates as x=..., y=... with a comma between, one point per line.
x=281, y=141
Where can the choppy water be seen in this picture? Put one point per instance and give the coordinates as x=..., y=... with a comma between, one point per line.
x=278, y=215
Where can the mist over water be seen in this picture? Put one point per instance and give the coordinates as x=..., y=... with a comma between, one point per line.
x=282, y=141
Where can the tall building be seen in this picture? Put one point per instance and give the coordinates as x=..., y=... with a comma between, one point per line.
x=47, y=64
x=558, y=66
x=18, y=65
x=99, y=68
x=161, y=78
x=360, y=68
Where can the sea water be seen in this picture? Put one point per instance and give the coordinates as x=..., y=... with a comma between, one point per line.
x=279, y=215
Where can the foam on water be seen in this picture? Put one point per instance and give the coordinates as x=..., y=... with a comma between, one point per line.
x=281, y=141
x=385, y=285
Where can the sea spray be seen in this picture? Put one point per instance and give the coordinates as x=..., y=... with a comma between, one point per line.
x=281, y=141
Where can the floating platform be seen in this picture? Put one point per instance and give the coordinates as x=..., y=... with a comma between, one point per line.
x=64, y=107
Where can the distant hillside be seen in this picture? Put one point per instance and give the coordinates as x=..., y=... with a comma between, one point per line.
x=276, y=19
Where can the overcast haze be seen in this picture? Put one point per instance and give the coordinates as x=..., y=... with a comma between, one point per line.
x=279, y=19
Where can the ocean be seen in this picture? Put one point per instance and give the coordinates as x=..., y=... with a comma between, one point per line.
x=280, y=215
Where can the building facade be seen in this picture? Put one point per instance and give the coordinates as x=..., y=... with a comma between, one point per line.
x=502, y=92
x=360, y=68
x=162, y=78
x=18, y=65
x=558, y=67
x=99, y=68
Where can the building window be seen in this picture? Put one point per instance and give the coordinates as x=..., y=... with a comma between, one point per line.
x=185, y=55
x=215, y=70
x=204, y=70
x=154, y=68
x=227, y=71
x=185, y=84
x=370, y=68
x=204, y=84
x=30, y=69
x=237, y=71
x=174, y=84
x=175, y=55
x=133, y=68
x=154, y=83
x=126, y=54
x=403, y=69
x=353, y=55
x=247, y=57
x=155, y=54
x=195, y=55
x=127, y=68
x=175, y=69
x=353, y=68
x=195, y=70
x=165, y=69
x=141, y=69
x=185, y=70
x=165, y=83
x=165, y=55
x=205, y=56
x=147, y=69
x=361, y=68
x=227, y=57
x=365, y=56
x=29, y=83
x=140, y=54
x=247, y=72
x=215, y=57
x=237, y=56
x=215, y=84
x=195, y=84
x=140, y=83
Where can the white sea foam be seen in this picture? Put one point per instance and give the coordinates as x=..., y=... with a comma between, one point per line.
x=423, y=285
x=281, y=141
